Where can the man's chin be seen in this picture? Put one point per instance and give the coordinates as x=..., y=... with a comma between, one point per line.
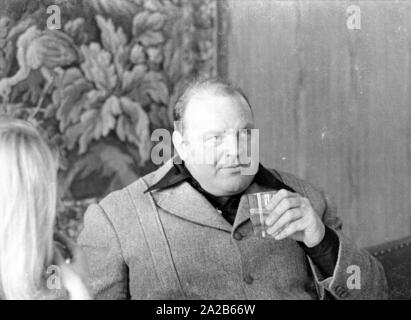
x=236, y=184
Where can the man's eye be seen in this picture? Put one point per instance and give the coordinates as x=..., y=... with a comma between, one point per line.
x=214, y=139
x=245, y=133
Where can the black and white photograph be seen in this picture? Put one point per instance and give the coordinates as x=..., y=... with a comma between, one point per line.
x=224, y=151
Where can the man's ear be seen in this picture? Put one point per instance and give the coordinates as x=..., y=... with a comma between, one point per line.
x=179, y=144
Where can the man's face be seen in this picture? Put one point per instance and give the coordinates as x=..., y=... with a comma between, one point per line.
x=217, y=138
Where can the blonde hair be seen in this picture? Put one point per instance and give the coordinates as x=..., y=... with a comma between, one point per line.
x=28, y=176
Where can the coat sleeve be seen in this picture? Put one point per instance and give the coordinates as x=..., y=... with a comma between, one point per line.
x=357, y=274
x=108, y=271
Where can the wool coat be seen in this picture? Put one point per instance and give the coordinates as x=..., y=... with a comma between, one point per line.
x=173, y=244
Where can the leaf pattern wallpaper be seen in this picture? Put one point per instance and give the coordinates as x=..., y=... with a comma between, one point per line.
x=98, y=86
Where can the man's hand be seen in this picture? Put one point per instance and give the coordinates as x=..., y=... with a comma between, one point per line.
x=293, y=216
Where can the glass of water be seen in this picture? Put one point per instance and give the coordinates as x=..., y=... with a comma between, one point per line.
x=258, y=212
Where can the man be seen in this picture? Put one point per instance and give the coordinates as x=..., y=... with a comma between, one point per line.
x=184, y=231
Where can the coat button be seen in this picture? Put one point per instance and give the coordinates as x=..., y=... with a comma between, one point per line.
x=237, y=236
x=248, y=279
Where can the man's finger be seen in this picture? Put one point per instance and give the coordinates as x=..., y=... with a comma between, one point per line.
x=283, y=206
x=277, y=197
x=289, y=230
x=288, y=217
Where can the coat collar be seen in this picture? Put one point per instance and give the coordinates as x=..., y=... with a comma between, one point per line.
x=185, y=202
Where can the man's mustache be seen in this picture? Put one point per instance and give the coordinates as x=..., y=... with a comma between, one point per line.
x=232, y=164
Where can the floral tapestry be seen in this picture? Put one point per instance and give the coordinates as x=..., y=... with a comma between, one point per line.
x=98, y=82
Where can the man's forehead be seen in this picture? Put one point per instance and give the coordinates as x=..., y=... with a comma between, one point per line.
x=208, y=103
x=218, y=114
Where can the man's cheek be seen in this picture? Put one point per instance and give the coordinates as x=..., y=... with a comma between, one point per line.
x=195, y=155
x=210, y=155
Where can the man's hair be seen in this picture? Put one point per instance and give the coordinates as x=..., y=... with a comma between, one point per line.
x=214, y=86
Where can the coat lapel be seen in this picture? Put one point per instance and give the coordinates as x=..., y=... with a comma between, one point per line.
x=187, y=203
